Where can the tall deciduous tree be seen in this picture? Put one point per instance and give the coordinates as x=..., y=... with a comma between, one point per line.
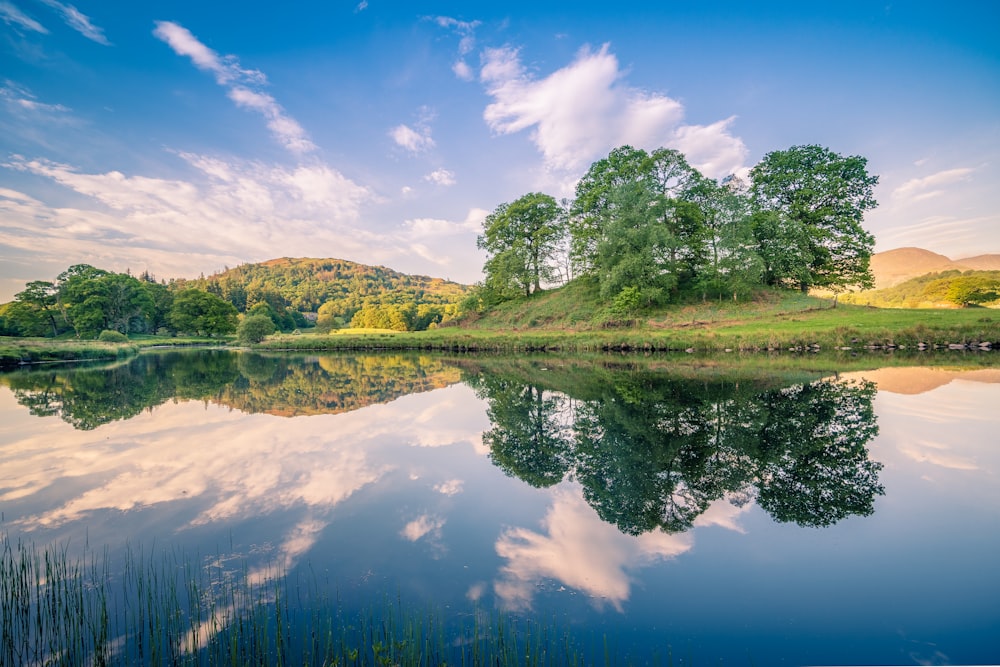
x=522, y=238
x=826, y=194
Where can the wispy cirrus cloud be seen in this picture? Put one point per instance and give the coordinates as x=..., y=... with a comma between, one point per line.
x=79, y=21
x=14, y=17
x=243, y=85
x=19, y=98
x=467, y=42
x=927, y=187
x=580, y=112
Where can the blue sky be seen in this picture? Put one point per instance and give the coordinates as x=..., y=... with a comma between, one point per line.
x=184, y=137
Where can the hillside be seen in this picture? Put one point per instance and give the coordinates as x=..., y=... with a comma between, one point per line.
x=894, y=267
x=306, y=284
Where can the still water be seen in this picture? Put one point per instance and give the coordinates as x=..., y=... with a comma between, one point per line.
x=660, y=512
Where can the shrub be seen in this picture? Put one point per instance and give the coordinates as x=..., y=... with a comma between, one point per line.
x=109, y=336
x=254, y=329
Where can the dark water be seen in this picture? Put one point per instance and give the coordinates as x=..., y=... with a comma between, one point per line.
x=661, y=512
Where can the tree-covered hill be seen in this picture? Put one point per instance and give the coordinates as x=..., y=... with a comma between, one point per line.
x=293, y=293
x=339, y=291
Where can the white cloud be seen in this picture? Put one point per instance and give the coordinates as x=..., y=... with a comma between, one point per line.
x=362, y=6
x=239, y=81
x=462, y=70
x=580, y=112
x=13, y=16
x=424, y=227
x=467, y=42
x=21, y=99
x=228, y=212
x=930, y=186
x=79, y=22
x=421, y=527
x=441, y=177
x=410, y=139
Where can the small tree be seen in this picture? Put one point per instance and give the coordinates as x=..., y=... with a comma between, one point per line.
x=198, y=312
x=254, y=329
x=522, y=238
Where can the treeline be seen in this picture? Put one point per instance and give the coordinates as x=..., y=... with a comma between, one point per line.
x=253, y=300
x=649, y=229
x=954, y=287
x=91, y=302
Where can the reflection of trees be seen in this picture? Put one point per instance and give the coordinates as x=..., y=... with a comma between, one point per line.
x=653, y=452
x=281, y=385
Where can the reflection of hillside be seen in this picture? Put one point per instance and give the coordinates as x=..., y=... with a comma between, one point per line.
x=290, y=386
x=280, y=385
x=917, y=380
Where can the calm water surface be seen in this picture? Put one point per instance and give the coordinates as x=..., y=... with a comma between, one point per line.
x=673, y=513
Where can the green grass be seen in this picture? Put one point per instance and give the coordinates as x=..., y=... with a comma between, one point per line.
x=168, y=609
x=571, y=320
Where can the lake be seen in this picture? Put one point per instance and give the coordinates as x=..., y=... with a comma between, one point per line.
x=640, y=510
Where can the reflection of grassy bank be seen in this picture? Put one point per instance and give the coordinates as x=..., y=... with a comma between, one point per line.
x=171, y=610
x=17, y=351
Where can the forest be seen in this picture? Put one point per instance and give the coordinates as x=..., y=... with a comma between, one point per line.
x=283, y=295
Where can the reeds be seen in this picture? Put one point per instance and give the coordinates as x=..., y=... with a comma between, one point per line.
x=171, y=610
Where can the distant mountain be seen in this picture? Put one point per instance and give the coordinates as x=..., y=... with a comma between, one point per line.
x=305, y=284
x=893, y=267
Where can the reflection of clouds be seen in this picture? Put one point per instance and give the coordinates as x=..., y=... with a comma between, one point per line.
x=422, y=526
x=725, y=514
x=450, y=488
x=578, y=549
x=951, y=427
x=232, y=465
x=936, y=453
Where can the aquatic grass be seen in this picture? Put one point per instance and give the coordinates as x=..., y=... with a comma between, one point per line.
x=168, y=609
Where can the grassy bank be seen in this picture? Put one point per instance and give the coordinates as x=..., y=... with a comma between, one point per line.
x=169, y=609
x=570, y=320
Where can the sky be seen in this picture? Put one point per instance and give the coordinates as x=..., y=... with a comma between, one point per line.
x=182, y=138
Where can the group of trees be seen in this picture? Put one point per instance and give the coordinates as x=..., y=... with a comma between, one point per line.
x=85, y=301
x=648, y=227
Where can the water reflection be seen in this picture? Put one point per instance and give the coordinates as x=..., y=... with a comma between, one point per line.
x=654, y=452
x=579, y=488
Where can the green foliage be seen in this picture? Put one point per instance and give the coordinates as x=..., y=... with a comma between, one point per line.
x=254, y=329
x=335, y=289
x=522, y=239
x=197, y=312
x=111, y=336
x=826, y=196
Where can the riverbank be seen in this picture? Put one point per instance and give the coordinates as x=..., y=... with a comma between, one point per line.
x=802, y=325
x=784, y=323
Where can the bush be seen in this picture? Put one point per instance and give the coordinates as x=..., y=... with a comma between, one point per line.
x=254, y=329
x=109, y=336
